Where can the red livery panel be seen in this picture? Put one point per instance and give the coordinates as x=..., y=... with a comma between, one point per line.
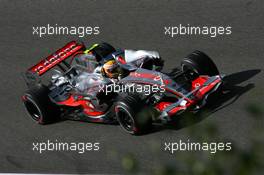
x=57, y=57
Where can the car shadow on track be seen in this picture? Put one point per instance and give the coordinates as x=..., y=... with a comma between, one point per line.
x=231, y=91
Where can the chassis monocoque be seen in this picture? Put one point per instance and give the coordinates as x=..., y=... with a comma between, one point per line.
x=144, y=95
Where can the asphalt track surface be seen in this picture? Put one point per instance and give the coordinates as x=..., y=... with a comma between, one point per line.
x=125, y=24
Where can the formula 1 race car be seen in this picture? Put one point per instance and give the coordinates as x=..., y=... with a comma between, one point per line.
x=107, y=85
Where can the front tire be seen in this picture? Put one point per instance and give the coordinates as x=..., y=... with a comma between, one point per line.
x=39, y=106
x=198, y=63
x=130, y=115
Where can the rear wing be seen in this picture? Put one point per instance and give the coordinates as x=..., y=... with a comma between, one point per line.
x=32, y=74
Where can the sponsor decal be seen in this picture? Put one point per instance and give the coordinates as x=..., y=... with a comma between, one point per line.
x=56, y=58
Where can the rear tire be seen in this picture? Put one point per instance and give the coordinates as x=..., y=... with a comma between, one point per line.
x=103, y=50
x=198, y=63
x=131, y=116
x=39, y=106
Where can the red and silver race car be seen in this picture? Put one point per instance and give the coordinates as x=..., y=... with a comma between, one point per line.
x=78, y=88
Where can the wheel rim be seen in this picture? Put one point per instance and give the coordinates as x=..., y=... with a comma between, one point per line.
x=32, y=109
x=125, y=119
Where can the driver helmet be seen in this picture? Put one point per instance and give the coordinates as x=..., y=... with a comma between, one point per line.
x=111, y=69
